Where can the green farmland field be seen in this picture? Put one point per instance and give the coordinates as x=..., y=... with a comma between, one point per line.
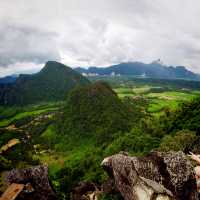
x=158, y=101
x=10, y=114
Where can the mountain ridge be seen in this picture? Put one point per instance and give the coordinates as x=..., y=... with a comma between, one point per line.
x=50, y=84
x=8, y=79
x=152, y=70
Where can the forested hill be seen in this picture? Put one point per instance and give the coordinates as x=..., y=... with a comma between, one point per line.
x=50, y=84
x=95, y=110
x=152, y=70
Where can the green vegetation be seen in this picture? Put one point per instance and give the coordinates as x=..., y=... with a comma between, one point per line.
x=159, y=98
x=181, y=141
x=9, y=115
x=186, y=117
x=135, y=142
x=160, y=94
x=21, y=115
x=93, y=122
x=95, y=109
x=52, y=83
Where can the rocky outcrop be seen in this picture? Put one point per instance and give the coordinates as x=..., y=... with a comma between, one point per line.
x=155, y=176
x=36, y=180
x=86, y=191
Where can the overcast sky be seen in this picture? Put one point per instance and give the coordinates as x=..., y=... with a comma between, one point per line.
x=98, y=33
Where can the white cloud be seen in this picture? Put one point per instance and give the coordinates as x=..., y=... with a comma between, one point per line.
x=26, y=44
x=20, y=68
x=94, y=32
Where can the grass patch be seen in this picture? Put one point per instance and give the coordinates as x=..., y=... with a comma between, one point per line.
x=158, y=105
x=142, y=90
x=124, y=92
x=6, y=122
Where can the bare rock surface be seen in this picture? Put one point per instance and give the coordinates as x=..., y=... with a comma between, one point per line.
x=153, y=177
x=37, y=178
x=86, y=191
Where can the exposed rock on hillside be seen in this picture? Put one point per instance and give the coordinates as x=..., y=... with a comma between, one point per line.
x=156, y=176
x=86, y=191
x=37, y=178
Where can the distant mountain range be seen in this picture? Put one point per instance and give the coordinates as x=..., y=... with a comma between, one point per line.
x=152, y=70
x=8, y=79
x=55, y=80
x=52, y=83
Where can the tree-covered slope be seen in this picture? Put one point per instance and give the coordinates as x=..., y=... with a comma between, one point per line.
x=50, y=84
x=95, y=109
x=93, y=124
x=187, y=116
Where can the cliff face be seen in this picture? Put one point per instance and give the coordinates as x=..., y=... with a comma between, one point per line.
x=156, y=176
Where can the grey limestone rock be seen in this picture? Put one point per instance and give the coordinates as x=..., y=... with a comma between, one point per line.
x=155, y=176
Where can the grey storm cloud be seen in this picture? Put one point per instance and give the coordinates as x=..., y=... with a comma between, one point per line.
x=26, y=44
x=99, y=32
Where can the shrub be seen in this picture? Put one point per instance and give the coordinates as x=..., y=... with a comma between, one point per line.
x=181, y=141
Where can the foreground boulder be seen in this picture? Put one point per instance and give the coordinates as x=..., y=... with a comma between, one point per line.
x=36, y=181
x=156, y=176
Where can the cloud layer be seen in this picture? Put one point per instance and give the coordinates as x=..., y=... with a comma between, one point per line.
x=93, y=32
